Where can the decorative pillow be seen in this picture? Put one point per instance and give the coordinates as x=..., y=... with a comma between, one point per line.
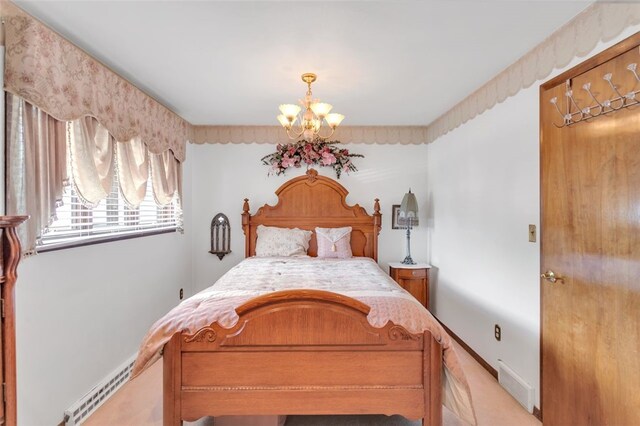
x=274, y=241
x=334, y=242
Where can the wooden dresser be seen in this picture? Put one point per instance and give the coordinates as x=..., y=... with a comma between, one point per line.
x=413, y=278
x=9, y=257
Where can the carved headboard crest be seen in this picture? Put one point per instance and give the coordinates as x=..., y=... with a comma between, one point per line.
x=312, y=175
x=311, y=201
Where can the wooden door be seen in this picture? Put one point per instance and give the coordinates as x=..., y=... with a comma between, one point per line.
x=590, y=195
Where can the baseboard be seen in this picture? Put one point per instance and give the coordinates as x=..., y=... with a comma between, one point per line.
x=473, y=353
x=537, y=413
x=80, y=410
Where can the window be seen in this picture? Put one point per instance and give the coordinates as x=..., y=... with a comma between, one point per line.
x=111, y=219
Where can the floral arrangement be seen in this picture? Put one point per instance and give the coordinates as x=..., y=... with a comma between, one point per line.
x=318, y=152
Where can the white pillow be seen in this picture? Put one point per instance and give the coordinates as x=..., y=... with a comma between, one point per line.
x=274, y=241
x=334, y=242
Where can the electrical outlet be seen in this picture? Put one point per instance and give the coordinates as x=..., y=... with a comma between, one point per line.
x=532, y=233
x=181, y=294
x=497, y=332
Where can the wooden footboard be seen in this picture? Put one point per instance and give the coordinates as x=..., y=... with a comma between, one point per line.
x=302, y=352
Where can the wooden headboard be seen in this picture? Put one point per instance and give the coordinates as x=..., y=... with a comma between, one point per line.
x=311, y=201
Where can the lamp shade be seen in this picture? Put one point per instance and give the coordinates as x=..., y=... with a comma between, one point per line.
x=334, y=119
x=290, y=111
x=408, y=214
x=320, y=109
x=284, y=121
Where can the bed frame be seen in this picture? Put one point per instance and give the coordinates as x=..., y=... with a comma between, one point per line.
x=304, y=351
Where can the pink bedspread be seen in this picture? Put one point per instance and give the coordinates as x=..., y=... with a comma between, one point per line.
x=359, y=278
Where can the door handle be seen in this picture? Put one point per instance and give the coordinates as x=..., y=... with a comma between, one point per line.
x=551, y=277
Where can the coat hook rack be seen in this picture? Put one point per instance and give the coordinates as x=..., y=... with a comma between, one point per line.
x=575, y=114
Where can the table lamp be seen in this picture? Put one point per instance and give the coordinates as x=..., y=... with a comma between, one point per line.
x=408, y=216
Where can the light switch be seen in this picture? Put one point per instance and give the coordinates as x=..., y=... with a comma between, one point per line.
x=532, y=233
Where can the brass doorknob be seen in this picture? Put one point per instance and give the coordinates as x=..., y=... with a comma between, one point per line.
x=551, y=276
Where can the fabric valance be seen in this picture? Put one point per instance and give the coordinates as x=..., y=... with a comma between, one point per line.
x=38, y=147
x=54, y=75
x=95, y=156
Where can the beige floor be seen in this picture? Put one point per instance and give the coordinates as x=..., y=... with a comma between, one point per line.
x=139, y=403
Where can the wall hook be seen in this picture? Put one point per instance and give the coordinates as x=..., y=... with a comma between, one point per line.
x=587, y=88
x=608, y=78
x=597, y=108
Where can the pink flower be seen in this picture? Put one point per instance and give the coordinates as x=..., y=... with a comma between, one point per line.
x=288, y=162
x=328, y=159
x=313, y=155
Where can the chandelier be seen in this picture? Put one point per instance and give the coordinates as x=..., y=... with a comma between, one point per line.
x=315, y=114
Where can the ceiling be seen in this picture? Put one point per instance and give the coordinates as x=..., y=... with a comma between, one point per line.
x=378, y=63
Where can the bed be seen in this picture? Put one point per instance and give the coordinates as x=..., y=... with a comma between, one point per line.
x=303, y=350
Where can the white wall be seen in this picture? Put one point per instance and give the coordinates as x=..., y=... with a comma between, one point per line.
x=82, y=312
x=223, y=175
x=483, y=192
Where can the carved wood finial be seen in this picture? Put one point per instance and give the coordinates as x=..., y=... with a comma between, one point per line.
x=377, y=222
x=312, y=175
x=245, y=206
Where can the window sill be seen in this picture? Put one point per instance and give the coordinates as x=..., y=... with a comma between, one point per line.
x=102, y=239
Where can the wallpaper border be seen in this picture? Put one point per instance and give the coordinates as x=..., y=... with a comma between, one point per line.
x=599, y=22
x=405, y=135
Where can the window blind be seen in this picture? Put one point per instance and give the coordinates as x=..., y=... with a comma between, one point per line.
x=112, y=217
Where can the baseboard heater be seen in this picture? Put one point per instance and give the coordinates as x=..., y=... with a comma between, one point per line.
x=516, y=386
x=85, y=406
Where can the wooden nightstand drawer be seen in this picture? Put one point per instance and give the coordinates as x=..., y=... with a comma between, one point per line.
x=412, y=273
x=413, y=278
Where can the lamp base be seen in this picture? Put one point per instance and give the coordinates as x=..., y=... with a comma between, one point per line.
x=408, y=260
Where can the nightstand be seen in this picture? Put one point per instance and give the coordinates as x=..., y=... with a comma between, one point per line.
x=413, y=278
